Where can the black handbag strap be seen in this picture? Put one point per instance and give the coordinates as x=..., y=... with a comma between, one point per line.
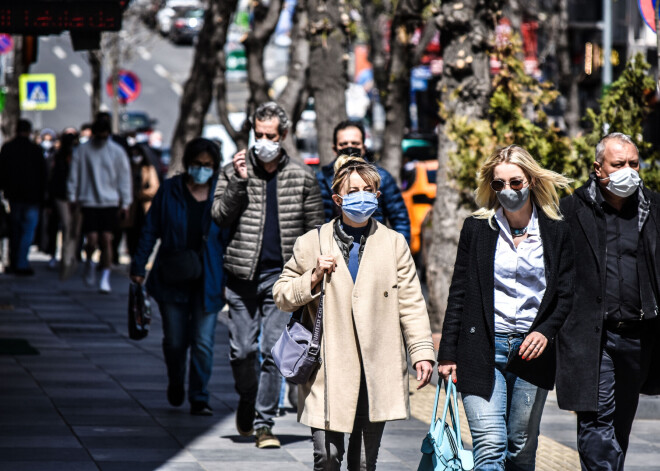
x=318, y=325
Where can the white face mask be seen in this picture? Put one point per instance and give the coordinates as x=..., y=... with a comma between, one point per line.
x=623, y=182
x=266, y=150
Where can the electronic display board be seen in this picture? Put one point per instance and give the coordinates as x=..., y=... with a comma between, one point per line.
x=46, y=17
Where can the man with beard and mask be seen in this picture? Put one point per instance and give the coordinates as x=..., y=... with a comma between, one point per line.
x=268, y=200
x=605, y=348
x=23, y=180
x=100, y=182
x=348, y=137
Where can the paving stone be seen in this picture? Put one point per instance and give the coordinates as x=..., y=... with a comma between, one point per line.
x=87, y=465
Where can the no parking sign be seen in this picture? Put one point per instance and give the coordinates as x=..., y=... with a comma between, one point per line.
x=6, y=43
x=129, y=86
x=647, y=9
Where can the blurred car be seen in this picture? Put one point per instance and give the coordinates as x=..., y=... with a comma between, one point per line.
x=186, y=25
x=137, y=123
x=164, y=17
x=418, y=183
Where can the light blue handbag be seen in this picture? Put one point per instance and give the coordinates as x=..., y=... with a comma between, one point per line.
x=442, y=448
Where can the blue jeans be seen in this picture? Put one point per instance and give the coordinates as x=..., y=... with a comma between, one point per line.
x=187, y=325
x=24, y=218
x=252, y=311
x=505, y=428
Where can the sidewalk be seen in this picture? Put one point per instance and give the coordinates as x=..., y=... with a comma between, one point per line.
x=94, y=400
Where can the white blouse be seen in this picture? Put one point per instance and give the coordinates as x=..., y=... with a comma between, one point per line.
x=519, y=277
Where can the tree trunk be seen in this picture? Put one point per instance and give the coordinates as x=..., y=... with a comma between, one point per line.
x=466, y=27
x=94, y=59
x=198, y=90
x=294, y=96
x=115, y=53
x=12, y=112
x=568, y=84
x=376, y=16
x=327, y=71
x=407, y=17
x=265, y=22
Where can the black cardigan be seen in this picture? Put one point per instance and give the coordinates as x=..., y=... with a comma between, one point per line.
x=468, y=336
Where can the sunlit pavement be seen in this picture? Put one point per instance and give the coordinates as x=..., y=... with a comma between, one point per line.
x=93, y=399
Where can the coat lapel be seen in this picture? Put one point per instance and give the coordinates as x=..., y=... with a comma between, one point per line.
x=587, y=220
x=548, y=239
x=329, y=247
x=487, y=243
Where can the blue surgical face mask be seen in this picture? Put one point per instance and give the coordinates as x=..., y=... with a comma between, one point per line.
x=359, y=206
x=200, y=175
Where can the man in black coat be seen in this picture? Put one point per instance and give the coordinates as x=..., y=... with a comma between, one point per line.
x=23, y=180
x=605, y=348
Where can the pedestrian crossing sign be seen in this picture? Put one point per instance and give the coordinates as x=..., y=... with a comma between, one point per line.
x=37, y=92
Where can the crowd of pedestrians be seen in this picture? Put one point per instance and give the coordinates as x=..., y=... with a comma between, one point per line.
x=546, y=292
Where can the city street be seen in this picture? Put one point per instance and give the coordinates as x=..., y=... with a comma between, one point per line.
x=161, y=66
x=78, y=395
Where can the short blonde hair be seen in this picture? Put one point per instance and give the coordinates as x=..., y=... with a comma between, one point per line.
x=543, y=183
x=346, y=164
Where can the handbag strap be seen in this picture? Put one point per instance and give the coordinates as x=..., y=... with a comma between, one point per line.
x=314, y=346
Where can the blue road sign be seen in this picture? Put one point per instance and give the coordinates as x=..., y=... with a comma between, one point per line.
x=37, y=92
x=129, y=86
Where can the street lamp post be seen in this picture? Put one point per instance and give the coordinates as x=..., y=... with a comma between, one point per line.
x=607, y=43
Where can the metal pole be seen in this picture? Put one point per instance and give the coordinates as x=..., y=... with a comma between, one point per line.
x=607, y=43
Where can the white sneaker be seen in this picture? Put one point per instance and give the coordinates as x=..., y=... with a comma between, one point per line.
x=89, y=274
x=104, y=286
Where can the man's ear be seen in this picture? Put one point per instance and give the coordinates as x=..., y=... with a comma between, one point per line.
x=597, y=168
x=283, y=135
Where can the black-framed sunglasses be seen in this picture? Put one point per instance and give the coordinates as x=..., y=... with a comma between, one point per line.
x=515, y=184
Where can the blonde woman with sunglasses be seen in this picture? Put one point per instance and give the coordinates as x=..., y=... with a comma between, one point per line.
x=511, y=290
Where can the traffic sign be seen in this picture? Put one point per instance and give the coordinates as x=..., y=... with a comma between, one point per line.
x=236, y=60
x=37, y=92
x=647, y=9
x=6, y=43
x=129, y=86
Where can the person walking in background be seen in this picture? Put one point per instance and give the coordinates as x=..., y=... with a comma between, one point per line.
x=605, y=347
x=187, y=277
x=373, y=300
x=57, y=192
x=348, y=138
x=100, y=181
x=511, y=290
x=145, y=186
x=23, y=180
x=268, y=200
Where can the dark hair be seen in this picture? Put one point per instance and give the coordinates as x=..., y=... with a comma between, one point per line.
x=348, y=123
x=86, y=126
x=271, y=110
x=199, y=145
x=101, y=125
x=23, y=126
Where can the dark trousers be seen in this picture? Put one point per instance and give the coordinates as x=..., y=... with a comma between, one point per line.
x=603, y=435
x=329, y=446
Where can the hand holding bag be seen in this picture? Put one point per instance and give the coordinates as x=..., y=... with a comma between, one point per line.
x=139, y=312
x=297, y=352
x=442, y=447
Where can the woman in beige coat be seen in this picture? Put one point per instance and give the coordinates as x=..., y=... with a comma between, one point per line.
x=373, y=311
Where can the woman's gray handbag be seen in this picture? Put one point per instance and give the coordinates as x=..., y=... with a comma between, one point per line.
x=296, y=353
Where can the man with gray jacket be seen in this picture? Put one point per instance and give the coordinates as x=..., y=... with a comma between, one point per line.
x=267, y=200
x=100, y=182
